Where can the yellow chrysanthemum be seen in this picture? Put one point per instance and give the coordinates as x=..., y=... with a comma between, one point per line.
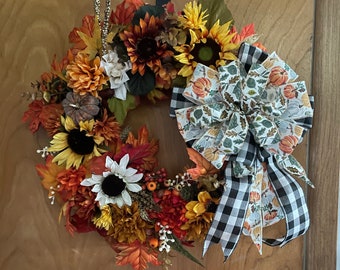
x=199, y=218
x=105, y=218
x=76, y=144
x=193, y=17
x=212, y=48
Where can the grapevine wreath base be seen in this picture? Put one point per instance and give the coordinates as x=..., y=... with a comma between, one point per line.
x=240, y=110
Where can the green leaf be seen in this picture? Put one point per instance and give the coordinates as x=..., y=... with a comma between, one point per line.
x=120, y=107
x=266, y=123
x=233, y=123
x=198, y=113
x=251, y=83
x=141, y=85
x=232, y=69
x=216, y=9
x=179, y=248
x=227, y=143
x=153, y=10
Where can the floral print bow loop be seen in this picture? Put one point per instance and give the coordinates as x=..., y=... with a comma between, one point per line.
x=230, y=103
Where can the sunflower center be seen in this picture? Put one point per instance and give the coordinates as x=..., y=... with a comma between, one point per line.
x=79, y=142
x=146, y=48
x=112, y=185
x=206, y=53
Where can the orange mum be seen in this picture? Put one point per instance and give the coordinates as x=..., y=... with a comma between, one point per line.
x=85, y=76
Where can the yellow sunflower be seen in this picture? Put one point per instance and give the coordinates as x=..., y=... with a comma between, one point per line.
x=199, y=218
x=213, y=48
x=76, y=144
x=105, y=218
x=193, y=17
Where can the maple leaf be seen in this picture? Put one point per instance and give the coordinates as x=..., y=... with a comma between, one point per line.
x=141, y=151
x=136, y=254
x=203, y=166
x=246, y=31
x=125, y=11
x=87, y=28
x=93, y=43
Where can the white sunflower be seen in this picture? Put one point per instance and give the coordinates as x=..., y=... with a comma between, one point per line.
x=113, y=185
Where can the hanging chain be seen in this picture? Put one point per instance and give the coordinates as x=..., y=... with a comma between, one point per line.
x=105, y=24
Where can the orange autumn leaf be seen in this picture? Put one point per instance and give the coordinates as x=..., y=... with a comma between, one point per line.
x=125, y=11
x=142, y=152
x=58, y=68
x=48, y=172
x=246, y=31
x=136, y=254
x=203, y=166
x=86, y=28
x=93, y=42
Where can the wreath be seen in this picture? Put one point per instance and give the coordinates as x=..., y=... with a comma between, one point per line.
x=239, y=109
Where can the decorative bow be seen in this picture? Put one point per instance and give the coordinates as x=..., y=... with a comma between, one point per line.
x=253, y=120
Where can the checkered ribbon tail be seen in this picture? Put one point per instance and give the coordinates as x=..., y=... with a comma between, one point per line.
x=292, y=201
x=229, y=217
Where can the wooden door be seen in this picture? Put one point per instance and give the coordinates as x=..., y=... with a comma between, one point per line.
x=32, y=31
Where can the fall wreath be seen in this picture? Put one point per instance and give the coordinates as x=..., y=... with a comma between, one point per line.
x=239, y=109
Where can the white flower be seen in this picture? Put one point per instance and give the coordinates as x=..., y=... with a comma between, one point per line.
x=116, y=72
x=113, y=185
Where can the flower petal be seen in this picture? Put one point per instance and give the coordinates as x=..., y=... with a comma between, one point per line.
x=109, y=163
x=119, y=201
x=126, y=197
x=124, y=161
x=130, y=172
x=87, y=182
x=134, y=178
x=96, y=188
x=134, y=187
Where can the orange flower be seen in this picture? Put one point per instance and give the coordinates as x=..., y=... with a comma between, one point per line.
x=199, y=219
x=128, y=224
x=69, y=181
x=142, y=46
x=50, y=118
x=288, y=143
x=85, y=76
x=108, y=128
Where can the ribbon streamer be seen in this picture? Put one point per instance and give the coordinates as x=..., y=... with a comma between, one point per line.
x=251, y=113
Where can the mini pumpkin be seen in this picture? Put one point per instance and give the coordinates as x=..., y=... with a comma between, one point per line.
x=288, y=143
x=201, y=87
x=278, y=76
x=80, y=107
x=289, y=91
